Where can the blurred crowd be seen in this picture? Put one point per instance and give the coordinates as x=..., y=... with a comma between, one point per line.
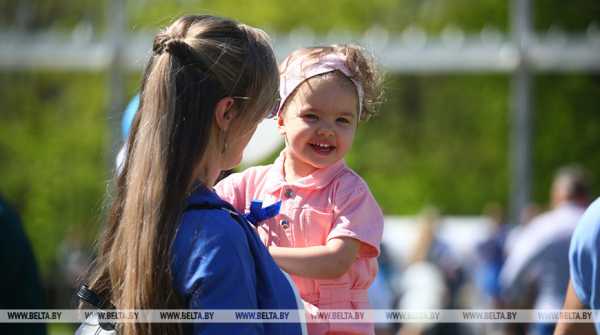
x=521, y=265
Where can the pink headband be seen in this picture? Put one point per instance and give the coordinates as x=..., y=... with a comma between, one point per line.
x=297, y=72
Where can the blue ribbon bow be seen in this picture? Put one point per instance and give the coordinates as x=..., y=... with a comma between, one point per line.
x=258, y=213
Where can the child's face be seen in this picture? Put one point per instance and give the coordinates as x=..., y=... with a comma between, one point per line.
x=319, y=121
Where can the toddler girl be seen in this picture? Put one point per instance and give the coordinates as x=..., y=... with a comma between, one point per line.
x=329, y=226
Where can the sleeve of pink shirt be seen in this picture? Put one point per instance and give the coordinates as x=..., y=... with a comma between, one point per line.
x=357, y=215
x=232, y=190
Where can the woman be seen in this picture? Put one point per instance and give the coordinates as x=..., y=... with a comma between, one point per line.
x=170, y=241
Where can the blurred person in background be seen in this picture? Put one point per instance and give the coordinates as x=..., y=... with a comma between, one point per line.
x=20, y=285
x=488, y=261
x=432, y=279
x=535, y=274
x=490, y=257
x=381, y=293
x=528, y=213
x=584, y=259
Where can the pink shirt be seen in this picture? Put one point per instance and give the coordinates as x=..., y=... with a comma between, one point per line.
x=332, y=202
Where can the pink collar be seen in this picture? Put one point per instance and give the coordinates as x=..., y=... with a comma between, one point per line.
x=316, y=180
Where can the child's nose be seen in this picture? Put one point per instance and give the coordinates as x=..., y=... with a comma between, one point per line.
x=325, y=131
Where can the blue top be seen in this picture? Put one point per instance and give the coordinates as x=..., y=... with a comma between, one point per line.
x=584, y=258
x=219, y=263
x=491, y=256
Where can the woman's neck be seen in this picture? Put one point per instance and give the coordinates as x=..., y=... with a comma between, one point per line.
x=207, y=173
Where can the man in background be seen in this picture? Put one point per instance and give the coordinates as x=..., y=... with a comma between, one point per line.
x=536, y=271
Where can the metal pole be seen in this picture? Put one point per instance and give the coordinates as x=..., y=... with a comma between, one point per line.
x=116, y=18
x=521, y=112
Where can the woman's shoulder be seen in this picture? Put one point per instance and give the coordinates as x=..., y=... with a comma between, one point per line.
x=206, y=242
x=216, y=225
x=206, y=230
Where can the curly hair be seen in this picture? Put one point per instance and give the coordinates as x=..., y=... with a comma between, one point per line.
x=360, y=63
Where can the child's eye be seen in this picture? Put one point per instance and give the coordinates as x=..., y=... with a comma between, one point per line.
x=343, y=120
x=310, y=117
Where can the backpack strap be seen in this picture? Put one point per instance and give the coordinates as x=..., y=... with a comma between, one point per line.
x=256, y=214
x=204, y=206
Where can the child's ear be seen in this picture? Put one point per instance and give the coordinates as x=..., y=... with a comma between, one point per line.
x=224, y=114
x=281, y=124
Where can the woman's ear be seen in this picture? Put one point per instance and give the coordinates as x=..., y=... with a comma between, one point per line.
x=224, y=113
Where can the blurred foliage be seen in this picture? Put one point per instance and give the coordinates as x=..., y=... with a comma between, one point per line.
x=287, y=15
x=443, y=140
x=567, y=128
x=435, y=141
x=35, y=15
x=574, y=17
x=440, y=140
x=52, y=154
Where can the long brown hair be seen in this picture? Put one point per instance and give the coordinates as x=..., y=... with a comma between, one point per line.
x=196, y=61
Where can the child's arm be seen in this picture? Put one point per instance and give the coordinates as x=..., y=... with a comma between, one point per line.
x=323, y=261
x=356, y=232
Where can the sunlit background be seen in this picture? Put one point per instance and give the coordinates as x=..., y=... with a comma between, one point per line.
x=485, y=100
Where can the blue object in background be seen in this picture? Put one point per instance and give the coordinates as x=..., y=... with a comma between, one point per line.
x=129, y=114
x=491, y=257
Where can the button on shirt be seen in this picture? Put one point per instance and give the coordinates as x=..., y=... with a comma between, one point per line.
x=220, y=263
x=332, y=202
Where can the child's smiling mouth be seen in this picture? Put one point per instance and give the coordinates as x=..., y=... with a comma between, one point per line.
x=322, y=148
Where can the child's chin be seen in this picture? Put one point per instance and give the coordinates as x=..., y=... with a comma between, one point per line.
x=323, y=163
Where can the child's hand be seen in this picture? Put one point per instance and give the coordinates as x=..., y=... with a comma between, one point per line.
x=323, y=261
